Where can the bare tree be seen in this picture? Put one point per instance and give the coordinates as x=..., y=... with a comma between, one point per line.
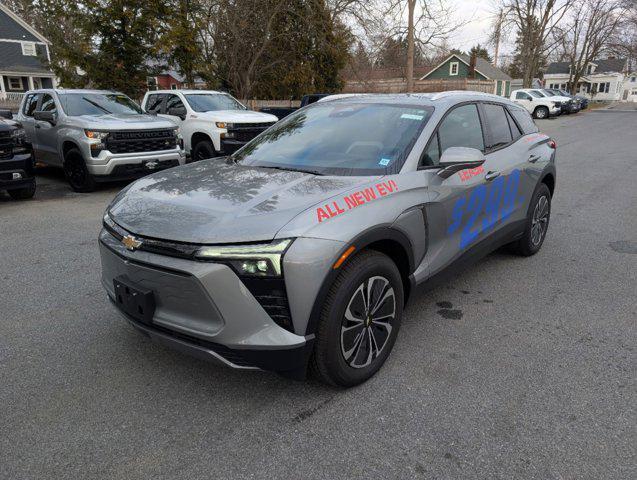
x=591, y=26
x=536, y=22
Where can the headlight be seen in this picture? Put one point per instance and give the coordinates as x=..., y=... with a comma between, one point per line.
x=263, y=260
x=18, y=132
x=96, y=134
x=19, y=137
x=224, y=125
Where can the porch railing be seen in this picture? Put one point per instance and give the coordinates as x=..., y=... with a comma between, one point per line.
x=10, y=99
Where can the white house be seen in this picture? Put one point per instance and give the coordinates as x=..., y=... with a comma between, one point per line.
x=630, y=88
x=603, y=79
x=24, y=57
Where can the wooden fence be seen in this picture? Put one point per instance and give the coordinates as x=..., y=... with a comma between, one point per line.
x=399, y=85
x=254, y=104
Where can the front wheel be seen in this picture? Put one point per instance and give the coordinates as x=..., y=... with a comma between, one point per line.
x=541, y=113
x=203, y=150
x=359, y=321
x=76, y=172
x=537, y=223
x=23, y=193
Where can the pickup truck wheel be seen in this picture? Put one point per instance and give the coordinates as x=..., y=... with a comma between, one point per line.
x=76, y=172
x=541, y=112
x=23, y=193
x=359, y=321
x=203, y=150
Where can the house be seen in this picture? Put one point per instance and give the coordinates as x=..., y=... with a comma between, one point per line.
x=603, y=79
x=518, y=83
x=630, y=88
x=163, y=77
x=24, y=57
x=459, y=66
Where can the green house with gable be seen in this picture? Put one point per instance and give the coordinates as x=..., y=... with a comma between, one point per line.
x=458, y=67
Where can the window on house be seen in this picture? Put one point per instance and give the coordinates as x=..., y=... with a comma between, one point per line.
x=453, y=68
x=173, y=86
x=15, y=83
x=28, y=49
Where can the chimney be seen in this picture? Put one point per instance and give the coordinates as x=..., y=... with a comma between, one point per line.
x=472, y=66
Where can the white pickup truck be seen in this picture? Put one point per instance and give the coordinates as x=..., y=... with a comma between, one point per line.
x=211, y=123
x=536, y=104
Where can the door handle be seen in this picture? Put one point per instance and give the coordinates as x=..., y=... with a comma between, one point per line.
x=491, y=176
x=534, y=158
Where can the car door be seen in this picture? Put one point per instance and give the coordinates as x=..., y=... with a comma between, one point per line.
x=525, y=100
x=456, y=212
x=26, y=116
x=46, y=134
x=509, y=185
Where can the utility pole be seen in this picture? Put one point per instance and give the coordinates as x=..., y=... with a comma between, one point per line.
x=497, y=36
x=411, y=6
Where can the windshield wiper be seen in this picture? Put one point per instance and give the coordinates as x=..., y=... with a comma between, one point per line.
x=96, y=104
x=290, y=169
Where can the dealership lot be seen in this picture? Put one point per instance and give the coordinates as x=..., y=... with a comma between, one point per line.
x=518, y=368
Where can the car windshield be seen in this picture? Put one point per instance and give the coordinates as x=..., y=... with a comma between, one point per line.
x=339, y=139
x=549, y=93
x=97, y=104
x=536, y=94
x=209, y=102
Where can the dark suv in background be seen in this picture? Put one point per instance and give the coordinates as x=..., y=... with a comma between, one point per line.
x=16, y=160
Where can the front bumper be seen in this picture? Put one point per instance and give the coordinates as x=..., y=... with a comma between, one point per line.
x=204, y=309
x=118, y=166
x=21, y=165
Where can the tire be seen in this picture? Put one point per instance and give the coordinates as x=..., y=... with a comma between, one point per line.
x=541, y=113
x=203, y=150
x=537, y=223
x=23, y=193
x=344, y=353
x=76, y=172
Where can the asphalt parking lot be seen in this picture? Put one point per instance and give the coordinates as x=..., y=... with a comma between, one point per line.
x=518, y=368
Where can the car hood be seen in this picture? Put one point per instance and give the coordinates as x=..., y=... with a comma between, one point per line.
x=214, y=201
x=238, y=116
x=124, y=122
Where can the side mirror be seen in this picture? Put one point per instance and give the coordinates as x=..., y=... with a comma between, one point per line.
x=50, y=117
x=455, y=159
x=178, y=112
x=6, y=114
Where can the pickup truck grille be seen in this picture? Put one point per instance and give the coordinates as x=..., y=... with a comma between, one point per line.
x=244, y=132
x=141, y=141
x=6, y=145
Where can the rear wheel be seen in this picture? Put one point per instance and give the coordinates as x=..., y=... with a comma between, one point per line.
x=76, y=172
x=359, y=321
x=203, y=150
x=23, y=193
x=541, y=112
x=537, y=223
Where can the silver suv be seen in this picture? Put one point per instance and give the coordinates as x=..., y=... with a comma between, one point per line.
x=302, y=247
x=97, y=135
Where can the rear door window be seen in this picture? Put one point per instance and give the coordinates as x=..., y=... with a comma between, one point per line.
x=498, y=125
x=515, y=130
x=524, y=120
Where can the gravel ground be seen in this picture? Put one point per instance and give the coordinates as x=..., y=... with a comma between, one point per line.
x=532, y=376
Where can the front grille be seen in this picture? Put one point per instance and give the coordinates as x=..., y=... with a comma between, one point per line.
x=244, y=132
x=136, y=169
x=6, y=144
x=137, y=141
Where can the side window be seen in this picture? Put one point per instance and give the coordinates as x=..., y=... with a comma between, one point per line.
x=461, y=128
x=524, y=120
x=153, y=104
x=522, y=96
x=515, y=130
x=173, y=102
x=431, y=157
x=29, y=105
x=499, y=131
x=48, y=103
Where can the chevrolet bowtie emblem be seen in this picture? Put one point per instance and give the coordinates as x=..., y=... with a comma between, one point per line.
x=131, y=243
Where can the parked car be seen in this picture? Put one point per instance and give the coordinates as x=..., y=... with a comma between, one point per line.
x=568, y=103
x=97, y=135
x=282, y=112
x=536, y=104
x=302, y=248
x=16, y=161
x=583, y=101
x=211, y=123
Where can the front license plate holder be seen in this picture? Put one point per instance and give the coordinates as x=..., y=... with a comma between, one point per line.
x=134, y=301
